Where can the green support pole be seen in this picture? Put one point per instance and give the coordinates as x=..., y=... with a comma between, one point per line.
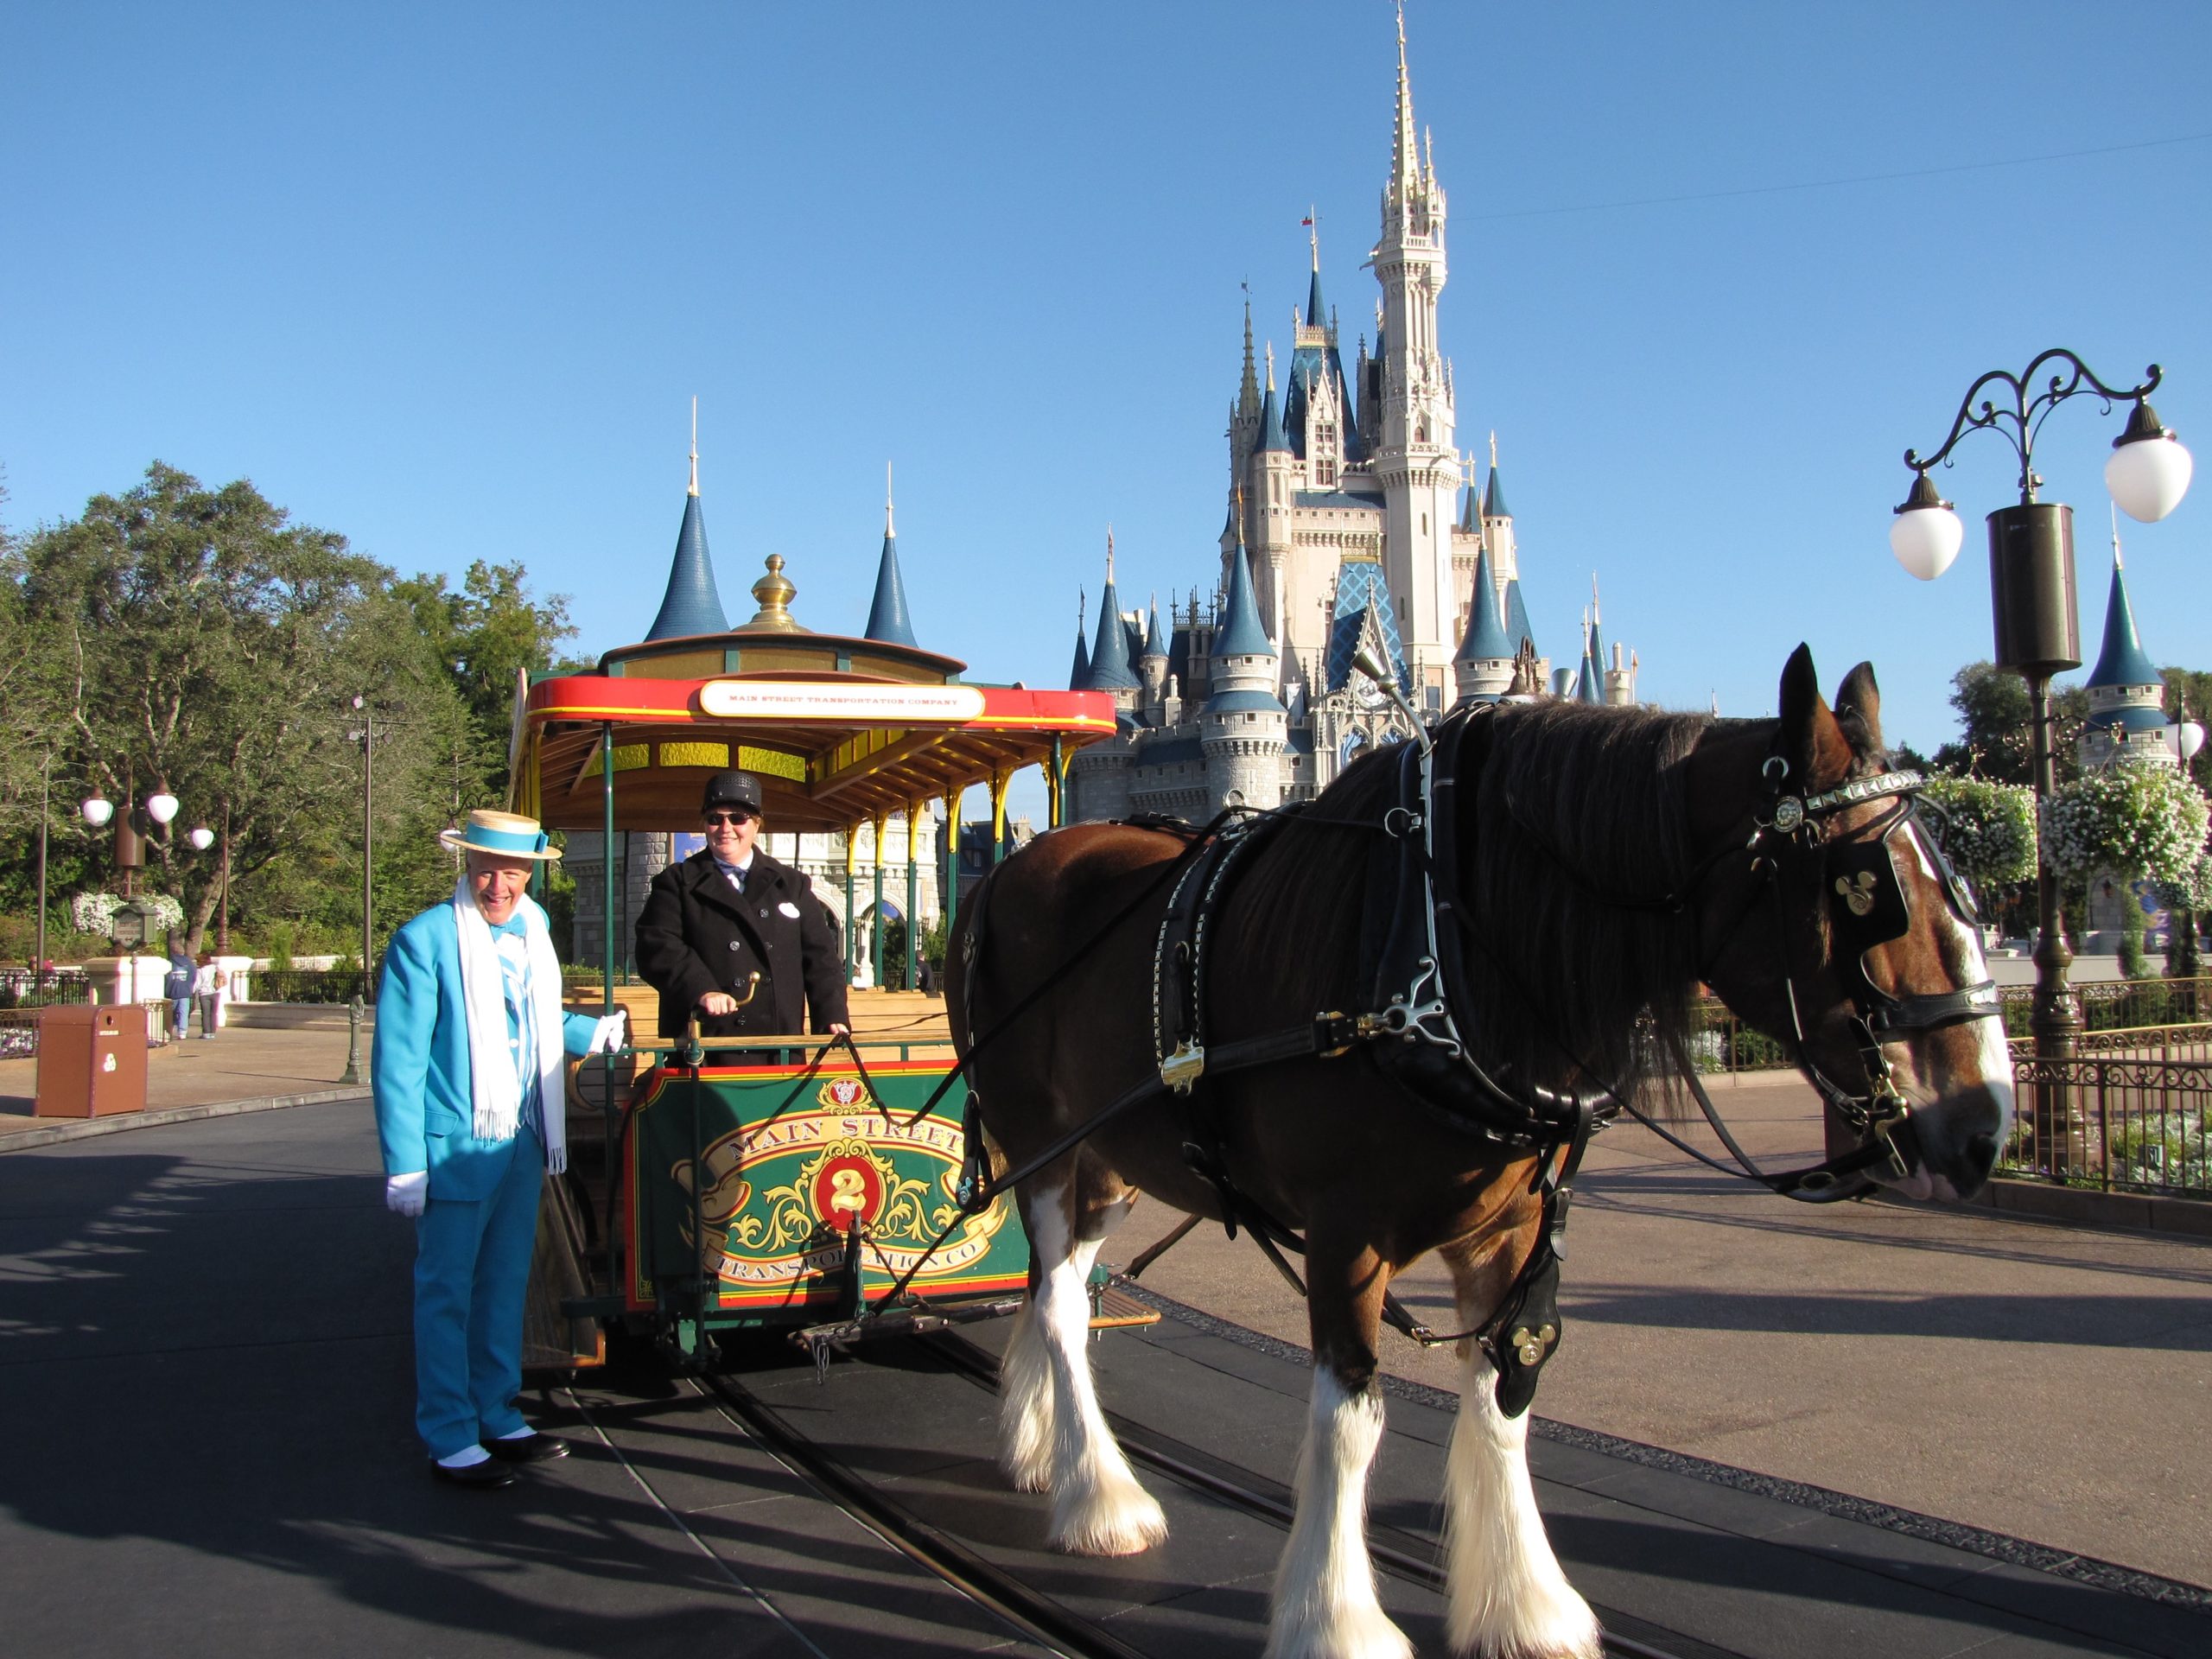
x=875, y=933
x=1060, y=779
x=999, y=782
x=851, y=960
x=913, y=898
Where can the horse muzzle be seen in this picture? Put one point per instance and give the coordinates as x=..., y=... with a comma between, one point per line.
x=1946, y=1148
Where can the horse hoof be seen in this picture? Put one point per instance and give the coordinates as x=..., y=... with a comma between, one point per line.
x=1585, y=1644
x=1119, y=1520
x=1349, y=1633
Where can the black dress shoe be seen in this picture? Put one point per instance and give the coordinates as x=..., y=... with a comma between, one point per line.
x=530, y=1448
x=490, y=1474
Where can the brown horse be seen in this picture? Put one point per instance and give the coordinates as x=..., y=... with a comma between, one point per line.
x=1609, y=859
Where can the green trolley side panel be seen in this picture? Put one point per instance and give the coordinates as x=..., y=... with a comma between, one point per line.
x=792, y=1156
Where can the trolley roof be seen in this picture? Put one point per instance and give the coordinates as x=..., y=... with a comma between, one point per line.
x=831, y=751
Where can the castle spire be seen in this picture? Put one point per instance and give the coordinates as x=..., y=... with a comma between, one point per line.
x=887, y=617
x=1079, y=675
x=1405, y=156
x=691, y=604
x=1247, y=388
x=1110, y=669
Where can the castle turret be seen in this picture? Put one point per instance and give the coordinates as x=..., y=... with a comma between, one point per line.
x=2126, y=720
x=1483, y=670
x=1415, y=458
x=1079, y=675
x=1110, y=668
x=691, y=604
x=1274, y=490
x=1244, y=728
x=1152, y=662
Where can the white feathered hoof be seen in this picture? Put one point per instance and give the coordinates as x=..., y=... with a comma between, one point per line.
x=1027, y=1467
x=1561, y=1632
x=1110, y=1515
x=1341, y=1633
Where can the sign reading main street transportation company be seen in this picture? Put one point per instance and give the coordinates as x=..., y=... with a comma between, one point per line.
x=841, y=702
x=790, y=1165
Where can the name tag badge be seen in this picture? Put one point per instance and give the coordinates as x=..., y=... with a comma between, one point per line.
x=789, y=909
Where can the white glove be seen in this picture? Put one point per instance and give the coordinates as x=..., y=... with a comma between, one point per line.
x=610, y=1033
x=406, y=1195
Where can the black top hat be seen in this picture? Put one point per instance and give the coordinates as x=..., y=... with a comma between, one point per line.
x=732, y=789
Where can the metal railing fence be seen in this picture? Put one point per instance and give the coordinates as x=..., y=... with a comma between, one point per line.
x=2118, y=1123
x=2119, y=1004
x=310, y=984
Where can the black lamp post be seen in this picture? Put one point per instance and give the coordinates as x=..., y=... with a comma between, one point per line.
x=366, y=737
x=2032, y=589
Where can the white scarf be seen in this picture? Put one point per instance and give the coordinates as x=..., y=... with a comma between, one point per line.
x=493, y=1086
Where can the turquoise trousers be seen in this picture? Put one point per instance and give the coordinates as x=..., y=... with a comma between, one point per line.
x=472, y=1272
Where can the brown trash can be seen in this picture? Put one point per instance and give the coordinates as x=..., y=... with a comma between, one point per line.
x=92, y=1061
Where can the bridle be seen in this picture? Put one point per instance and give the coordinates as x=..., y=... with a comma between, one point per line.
x=1868, y=907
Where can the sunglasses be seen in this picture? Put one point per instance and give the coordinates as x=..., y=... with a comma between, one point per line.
x=715, y=820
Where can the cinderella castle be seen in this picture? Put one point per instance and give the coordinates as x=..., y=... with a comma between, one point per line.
x=1353, y=521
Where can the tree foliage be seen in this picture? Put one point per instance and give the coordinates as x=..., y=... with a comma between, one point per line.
x=197, y=638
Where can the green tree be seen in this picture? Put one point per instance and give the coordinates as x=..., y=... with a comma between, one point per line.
x=489, y=635
x=205, y=642
x=2189, y=696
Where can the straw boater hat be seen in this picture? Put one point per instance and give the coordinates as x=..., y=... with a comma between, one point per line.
x=508, y=833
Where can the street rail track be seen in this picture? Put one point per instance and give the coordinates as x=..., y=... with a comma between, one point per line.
x=1034, y=1614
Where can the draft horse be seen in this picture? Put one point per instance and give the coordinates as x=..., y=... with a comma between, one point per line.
x=1599, y=865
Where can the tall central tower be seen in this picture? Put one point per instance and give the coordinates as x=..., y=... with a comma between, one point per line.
x=1415, y=461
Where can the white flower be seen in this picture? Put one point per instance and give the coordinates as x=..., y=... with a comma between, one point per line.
x=2137, y=818
x=1990, y=829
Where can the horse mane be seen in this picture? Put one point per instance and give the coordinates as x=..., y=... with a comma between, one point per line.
x=1572, y=806
x=1576, y=807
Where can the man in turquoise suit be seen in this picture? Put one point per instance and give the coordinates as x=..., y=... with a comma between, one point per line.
x=468, y=1075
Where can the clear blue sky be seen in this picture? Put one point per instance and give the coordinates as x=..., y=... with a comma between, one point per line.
x=446, y=278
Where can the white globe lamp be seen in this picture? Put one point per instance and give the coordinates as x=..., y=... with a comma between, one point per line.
x=2150, y=470
x=97, y=812
x=201, y=838
x=161, y=806
x=1925, y=534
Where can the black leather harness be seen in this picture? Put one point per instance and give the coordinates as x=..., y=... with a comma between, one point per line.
x=1413, y=965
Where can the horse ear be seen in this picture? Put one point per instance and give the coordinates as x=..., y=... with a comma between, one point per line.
x=1810, y=740
x=1858, y=710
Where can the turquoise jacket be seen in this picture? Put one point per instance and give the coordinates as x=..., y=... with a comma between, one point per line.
x=419, y=1066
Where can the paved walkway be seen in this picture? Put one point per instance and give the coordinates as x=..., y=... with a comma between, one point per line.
x=2042, y=1380
x=235, y=1064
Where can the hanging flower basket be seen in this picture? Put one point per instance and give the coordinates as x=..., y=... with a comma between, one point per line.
x=2191, y=891
x=2138, y=818
x=94, y=912
x=1990, y=829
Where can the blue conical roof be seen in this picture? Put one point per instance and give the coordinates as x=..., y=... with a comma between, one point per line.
x=1487, y=639
x=1272, y=436
x=1109, y=658
x=1494, y=497
x=888, y=620
x=1079, y=675
x=1470, y=518
x=1317, y=314
x=1516, y=617
x=1155, y=642
x=691, y=605
x=1241, y=633
x=1589, y=686
x=2123, y=661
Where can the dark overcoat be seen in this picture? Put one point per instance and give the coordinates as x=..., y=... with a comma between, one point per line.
x=696, y=933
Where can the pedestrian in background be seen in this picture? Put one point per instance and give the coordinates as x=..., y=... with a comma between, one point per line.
x=177, y=986
x=208, y=984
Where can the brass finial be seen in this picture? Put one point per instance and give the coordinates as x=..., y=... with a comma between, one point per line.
x=775, y=592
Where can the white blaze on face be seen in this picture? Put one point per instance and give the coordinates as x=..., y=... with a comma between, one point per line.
x=1962, y=954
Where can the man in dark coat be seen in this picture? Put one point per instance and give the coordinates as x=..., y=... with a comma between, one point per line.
x=728, y=912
